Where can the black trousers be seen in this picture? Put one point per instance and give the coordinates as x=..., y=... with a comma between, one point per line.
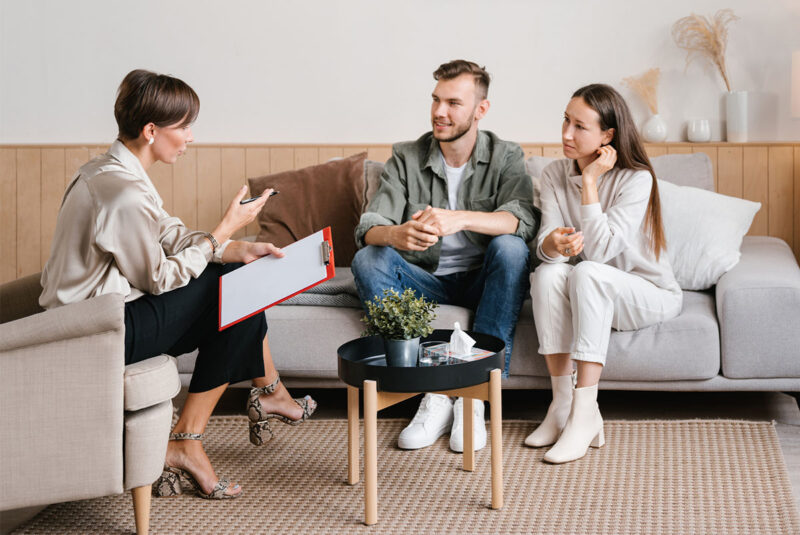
x=186, y=319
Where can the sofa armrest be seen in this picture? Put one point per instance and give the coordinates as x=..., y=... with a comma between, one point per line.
x=96, y=315
x=758, y=305
x=61, y=382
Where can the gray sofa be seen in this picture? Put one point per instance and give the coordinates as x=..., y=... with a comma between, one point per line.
x=743, y=334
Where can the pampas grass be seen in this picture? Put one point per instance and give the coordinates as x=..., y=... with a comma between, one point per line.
x=646, y=86
x=702, y=37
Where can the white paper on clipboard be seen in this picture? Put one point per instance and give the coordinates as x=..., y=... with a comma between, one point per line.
x=270, y=280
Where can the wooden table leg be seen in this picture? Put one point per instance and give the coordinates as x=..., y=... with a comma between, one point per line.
x=495, y=402
x=352, y=435
x=370, y=452
x=469, y=436
x=141, y=508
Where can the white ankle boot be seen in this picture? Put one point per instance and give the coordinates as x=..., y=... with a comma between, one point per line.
x=550, y=429
x=584, y=428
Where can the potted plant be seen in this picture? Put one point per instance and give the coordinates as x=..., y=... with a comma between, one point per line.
x=401, y=319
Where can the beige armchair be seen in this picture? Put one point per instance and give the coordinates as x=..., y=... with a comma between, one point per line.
x=75, y=422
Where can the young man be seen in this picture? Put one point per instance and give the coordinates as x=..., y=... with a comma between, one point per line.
x=450, y=220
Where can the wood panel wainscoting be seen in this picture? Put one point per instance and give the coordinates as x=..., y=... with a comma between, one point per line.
x=199, y=186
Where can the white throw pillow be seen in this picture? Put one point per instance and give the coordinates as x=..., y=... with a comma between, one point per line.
x=704, y=232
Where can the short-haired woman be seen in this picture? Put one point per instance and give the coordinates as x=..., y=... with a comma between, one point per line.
x=604, y=262
x=113, y=236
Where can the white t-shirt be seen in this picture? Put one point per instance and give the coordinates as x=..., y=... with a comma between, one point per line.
x=458, y=253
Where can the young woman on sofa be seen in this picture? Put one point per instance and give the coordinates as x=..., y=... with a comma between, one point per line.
x=112, y=235
x=604, y=262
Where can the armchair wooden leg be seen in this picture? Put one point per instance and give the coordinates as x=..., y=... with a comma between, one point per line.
x=141, y=508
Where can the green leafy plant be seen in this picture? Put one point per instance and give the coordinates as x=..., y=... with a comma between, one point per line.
x=399, y=316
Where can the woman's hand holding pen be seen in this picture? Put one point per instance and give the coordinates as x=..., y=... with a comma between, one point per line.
x=563, y=241
x=239, y=215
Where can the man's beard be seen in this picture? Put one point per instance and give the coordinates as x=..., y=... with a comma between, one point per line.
x=460, y=131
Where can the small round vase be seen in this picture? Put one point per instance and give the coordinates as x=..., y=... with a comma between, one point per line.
x=698, y=131
x=655, y=129
x=401, y=353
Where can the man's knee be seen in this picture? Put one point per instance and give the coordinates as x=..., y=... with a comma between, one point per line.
x=510, y=251
x=370, y=258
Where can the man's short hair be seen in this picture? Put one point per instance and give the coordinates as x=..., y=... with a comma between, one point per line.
x=457, y=67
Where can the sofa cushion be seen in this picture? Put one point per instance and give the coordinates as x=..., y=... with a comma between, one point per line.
x=150, y=382
x=704, y=232
x=693, y=170
x=312, y=198
x=683, y=348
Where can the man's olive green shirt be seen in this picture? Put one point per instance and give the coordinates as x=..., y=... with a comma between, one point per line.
x=414, y=177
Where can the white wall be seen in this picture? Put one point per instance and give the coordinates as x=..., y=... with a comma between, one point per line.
x=359, y=71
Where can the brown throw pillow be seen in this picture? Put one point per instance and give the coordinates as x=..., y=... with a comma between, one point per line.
x=330, y=194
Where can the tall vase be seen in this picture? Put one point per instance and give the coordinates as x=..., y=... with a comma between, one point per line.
x=655, y=129
x=736, y=111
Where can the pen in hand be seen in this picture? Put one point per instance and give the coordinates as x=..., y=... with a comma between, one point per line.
x=251, y=199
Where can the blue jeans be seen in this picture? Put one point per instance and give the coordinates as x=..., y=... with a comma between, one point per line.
x=495, y=291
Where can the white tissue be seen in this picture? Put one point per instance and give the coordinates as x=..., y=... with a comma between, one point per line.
x=460, y=342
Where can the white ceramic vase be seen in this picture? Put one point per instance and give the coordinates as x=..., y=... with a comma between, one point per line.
x=655, y=129
x=736, y=111
x=698, y=131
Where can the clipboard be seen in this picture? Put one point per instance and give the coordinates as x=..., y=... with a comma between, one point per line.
x=270, y=280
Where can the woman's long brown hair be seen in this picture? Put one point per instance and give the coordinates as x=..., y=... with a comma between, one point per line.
x=614, y=113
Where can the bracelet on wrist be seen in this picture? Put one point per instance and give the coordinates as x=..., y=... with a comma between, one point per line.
x=213, y=240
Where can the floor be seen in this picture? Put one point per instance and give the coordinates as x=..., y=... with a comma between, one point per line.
x=614, y=405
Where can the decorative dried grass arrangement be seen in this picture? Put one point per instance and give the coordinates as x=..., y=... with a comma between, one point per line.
x=646, y=86
x=705, y=38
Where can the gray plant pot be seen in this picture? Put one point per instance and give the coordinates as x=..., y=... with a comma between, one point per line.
x=401, y=353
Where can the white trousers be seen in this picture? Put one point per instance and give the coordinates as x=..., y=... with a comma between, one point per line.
x=575, y=307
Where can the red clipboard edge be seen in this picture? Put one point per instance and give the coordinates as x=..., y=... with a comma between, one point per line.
x=331, y=272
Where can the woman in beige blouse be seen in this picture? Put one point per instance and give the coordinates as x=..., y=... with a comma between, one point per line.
x=113, y=235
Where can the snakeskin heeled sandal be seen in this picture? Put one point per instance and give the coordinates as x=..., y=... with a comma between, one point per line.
x=173, y=481
x=260, y=426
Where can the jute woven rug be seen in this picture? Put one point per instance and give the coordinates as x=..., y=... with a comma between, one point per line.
x=653, y=477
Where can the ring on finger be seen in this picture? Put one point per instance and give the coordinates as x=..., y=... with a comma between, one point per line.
x=567, y=250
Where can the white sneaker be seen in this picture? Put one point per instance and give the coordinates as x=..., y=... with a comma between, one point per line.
x=478, y=426
x=434, y=417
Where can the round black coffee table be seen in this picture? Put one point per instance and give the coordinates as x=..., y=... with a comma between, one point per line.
x=362, y=365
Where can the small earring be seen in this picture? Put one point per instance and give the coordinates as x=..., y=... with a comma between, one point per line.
x=152, y=140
